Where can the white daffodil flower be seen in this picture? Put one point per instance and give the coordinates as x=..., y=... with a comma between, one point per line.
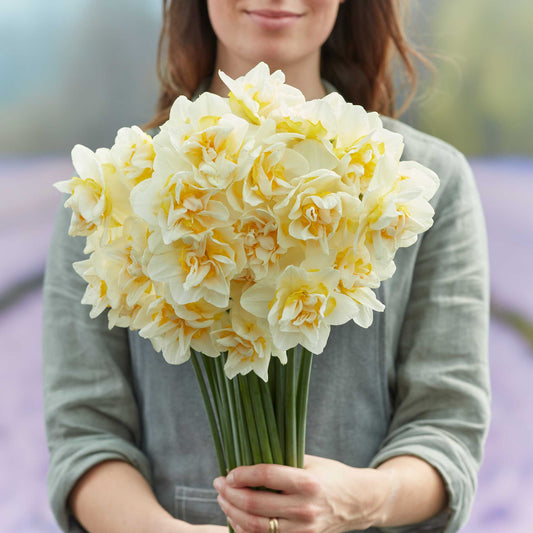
x=255, y=95
x=248, y=343
x=101, y=272
x=168, y=333
x=258, y=230
x=356, y=269
x=134, y=153
x=314, y=119
x=203, y=317
x=199, y=269
x=271, y=173
x=358, y=161
x=201, y=137
x=179, y=208
x=99, y=194
x=88, y=192
x=317, y=211
x=300, y=306
x=395, y=208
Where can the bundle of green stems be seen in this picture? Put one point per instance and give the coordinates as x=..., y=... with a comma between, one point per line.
x=253, y=421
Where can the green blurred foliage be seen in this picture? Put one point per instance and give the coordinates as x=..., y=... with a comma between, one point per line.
x=482, y=98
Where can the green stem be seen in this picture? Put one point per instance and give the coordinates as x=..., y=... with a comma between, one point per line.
x=302, y=395
x=280, y=400
x=246, y=453
x=233, y=419
x=250, y=422
x=225, y=421
x=209, y=367
x=210, y=415
x=210, y=364
x=290, y=410
x=270, y=417
x=272, y=371
x=257, y=406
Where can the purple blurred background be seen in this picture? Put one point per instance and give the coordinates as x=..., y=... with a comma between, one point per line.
x=54, y=94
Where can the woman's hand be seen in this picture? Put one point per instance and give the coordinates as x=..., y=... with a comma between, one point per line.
x=324, y=496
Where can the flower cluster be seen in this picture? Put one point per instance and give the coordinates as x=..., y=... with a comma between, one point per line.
x=248, y=224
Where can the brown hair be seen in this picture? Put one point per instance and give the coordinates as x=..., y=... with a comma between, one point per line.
x=356, y=58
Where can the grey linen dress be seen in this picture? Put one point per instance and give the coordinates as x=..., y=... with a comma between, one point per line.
x=416, y=382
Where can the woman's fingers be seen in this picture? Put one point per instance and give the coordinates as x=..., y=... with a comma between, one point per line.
x=242, y=521
x=258, y=502
x=263, y=503
x=286, y=479
x=297, y=502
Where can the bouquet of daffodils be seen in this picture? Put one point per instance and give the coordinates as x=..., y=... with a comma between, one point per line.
x=239, y=235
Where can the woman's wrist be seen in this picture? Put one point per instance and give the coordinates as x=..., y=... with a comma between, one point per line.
x=413, y=491
x=386, y=489
x=371, y=506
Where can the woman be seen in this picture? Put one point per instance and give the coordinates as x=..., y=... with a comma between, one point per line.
x=398, y=412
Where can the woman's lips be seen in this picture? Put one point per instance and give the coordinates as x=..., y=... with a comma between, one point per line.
x=273, y=20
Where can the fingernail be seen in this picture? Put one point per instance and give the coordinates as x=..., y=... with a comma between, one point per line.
x=230, y=478
x=217, y=483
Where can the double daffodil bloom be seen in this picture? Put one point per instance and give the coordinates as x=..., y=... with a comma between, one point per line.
x=258, y=231
x=194, y=270
x=248, y=343
x=317, y=211
x=257, y=94
x=395, y=208
x=134, y=154
x=300, y=306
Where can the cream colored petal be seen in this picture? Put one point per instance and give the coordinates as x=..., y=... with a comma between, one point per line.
x=255, y=300
x=86, y=163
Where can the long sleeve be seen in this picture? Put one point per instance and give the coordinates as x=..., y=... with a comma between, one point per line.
x=90, y=409
x=442, y=396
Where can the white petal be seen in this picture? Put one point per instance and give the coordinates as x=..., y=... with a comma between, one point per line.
x=255, y=300
x=86, y=163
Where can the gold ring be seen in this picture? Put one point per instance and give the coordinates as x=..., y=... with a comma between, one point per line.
x=273, y=525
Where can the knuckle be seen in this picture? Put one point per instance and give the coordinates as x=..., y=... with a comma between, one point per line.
x=309, y=485
x=293, y=512
x=263, y=473
x=248, y=502
x=307, y=513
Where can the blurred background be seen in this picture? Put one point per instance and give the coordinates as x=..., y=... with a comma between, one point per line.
x=74, y=72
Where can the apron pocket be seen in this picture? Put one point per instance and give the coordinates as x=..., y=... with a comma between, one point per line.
x=198, y=506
